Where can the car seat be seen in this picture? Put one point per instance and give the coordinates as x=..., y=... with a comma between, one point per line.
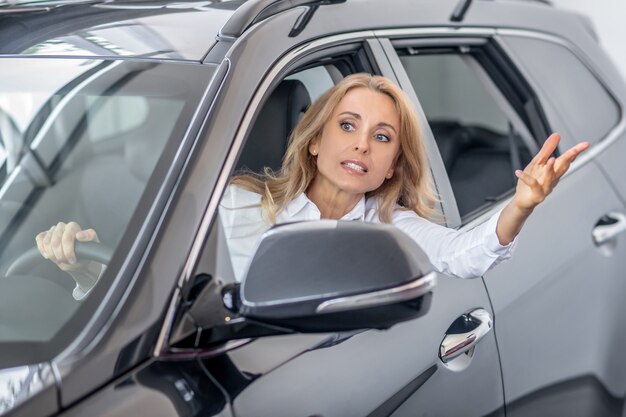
x=268, y=139
x=480, y=162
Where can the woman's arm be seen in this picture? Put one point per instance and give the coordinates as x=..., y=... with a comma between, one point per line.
x=535, y=183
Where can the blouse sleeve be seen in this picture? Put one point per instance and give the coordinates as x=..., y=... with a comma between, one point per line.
x=242, y=221
x=464, y=254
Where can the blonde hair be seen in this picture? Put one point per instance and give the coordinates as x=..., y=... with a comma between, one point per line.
x=409, y=186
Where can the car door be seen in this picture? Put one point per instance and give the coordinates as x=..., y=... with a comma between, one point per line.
x=397, y=371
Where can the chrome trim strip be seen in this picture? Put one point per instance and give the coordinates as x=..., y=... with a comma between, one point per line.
x=405, y=292
x=132, y=58
x=186, y=354
x=435, y=32
x=168, y=323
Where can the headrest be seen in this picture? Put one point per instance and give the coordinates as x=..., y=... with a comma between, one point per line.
x=267, y=142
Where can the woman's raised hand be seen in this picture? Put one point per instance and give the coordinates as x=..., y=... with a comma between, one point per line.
x=542, y=174
x=57, y=245
x=535, y=183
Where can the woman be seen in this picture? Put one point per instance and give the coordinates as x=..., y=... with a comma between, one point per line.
x=357, y=154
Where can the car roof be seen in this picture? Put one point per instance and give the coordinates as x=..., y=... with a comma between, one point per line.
x=186, y=30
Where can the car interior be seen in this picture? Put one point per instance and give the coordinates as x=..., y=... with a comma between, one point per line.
x=480, y=162
x=267, y=141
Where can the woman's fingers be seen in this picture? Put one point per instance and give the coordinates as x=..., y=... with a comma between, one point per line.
x=564, y=161
x=548, y=148
x=528, y=179
x=87, y=235
x=57, y=242
x=543, y=173
x=67, y=242
x=39, y=239
x=548, y=177
x=47, y=247
x=540, y=179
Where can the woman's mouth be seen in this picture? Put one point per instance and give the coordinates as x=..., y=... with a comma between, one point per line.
x=355, y=166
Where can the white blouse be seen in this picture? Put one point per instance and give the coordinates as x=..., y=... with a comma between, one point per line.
x=464, y=254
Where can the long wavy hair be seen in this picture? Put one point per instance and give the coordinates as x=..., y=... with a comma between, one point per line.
x=410, y=186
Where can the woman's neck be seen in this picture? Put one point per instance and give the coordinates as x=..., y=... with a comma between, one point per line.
x=332, y=203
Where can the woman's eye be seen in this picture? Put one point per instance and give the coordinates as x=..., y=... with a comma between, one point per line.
x=348, y=127
x=382, y=138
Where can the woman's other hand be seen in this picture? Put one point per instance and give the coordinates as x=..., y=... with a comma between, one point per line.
x=57, y=244
x=542, y=174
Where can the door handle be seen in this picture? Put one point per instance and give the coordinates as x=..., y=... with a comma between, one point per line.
x=609, y=226
x=464, y=333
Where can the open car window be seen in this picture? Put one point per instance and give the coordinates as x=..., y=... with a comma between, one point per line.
x=240, y=224
x=240, y=221
x=79, y=145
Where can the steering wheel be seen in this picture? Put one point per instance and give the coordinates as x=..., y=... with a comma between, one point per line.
x=93, y=251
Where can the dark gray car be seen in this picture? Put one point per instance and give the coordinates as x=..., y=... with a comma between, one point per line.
x=130, y=117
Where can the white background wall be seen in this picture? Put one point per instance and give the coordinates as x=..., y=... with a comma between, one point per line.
x=609, y=18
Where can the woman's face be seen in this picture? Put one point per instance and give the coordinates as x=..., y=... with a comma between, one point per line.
x=359, y=143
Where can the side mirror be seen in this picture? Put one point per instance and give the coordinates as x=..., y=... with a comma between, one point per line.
x=322, y=276
x=332, y=275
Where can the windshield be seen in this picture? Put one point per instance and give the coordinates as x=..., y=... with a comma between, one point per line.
x=79, y=140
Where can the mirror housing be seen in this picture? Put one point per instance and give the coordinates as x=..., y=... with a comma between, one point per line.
x=331, y=275
x=320, y=276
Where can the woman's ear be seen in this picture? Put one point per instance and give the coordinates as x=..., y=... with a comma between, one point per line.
x=389, y=174
x=313, y=148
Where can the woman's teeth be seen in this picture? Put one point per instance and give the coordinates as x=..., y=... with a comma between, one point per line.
x=354, y=166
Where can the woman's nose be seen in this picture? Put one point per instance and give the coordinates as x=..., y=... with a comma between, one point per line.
x=362, y=143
